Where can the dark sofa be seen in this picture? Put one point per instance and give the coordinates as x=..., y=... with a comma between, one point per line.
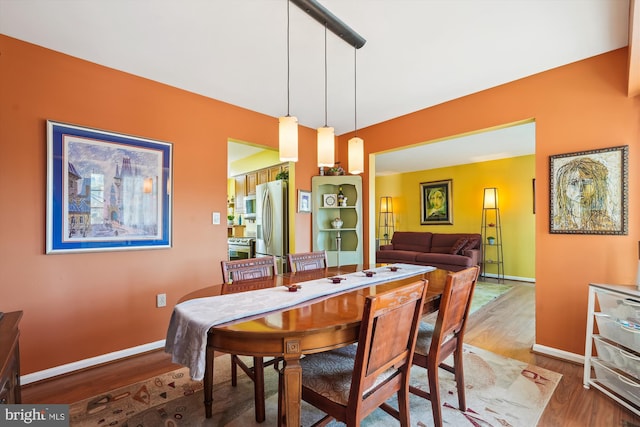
x=447, y=251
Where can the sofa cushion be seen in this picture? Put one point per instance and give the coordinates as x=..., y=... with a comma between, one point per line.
x=442, y=242
x=443, y=259
x=472, y=243
x=412, y=241
x=458, y=245
x=408, y=257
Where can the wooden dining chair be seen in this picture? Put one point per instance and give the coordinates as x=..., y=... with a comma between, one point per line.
x=437, y=341
x=234, y=275
x=351, y=382
x=252, y=268
x=307, y=261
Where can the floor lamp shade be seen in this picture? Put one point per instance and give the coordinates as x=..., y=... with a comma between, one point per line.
x=288, y=136
x=326, y=147
x=490, y=200
x=386, y=204
x=356, y=155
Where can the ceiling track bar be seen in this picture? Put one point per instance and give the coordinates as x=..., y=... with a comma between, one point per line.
x=333, y=23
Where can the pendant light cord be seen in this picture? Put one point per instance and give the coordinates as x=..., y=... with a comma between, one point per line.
x=325, y=74
x=288, y=65
x=355, y=91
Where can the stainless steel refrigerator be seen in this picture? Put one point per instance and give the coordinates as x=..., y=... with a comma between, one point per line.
x=272, y=231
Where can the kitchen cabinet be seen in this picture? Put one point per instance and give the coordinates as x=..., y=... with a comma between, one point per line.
x=344, y=245
x=262, y=176
x=245, y=185
x=10, y=358
x=274, y=171
x=240, y=193
x=251, y=182
x=614, y=369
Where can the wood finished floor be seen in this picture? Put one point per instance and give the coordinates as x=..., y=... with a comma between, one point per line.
x=505, y=327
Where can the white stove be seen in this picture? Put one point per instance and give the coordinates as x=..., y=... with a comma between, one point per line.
x=246, y=241
x=241, y=247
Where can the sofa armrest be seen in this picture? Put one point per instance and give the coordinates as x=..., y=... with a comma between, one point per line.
x=386, y=247
x=474, y=254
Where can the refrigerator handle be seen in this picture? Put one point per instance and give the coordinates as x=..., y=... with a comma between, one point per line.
x=267, y=219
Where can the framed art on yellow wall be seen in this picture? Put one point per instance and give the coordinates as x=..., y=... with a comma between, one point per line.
x=436, y=203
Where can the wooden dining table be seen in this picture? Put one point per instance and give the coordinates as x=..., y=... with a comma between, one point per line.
x=314, y=326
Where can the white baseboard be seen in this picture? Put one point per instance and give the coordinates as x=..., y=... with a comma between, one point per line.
x=517, y=278
x=87, y=363
x=558, y=354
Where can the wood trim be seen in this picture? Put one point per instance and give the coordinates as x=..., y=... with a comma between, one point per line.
x=634, y=49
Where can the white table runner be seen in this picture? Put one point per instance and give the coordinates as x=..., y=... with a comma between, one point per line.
x=191, y=320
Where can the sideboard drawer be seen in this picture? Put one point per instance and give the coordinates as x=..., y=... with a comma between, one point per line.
x=621, y=384
x=615, y=356
x=619, y=307
x=627, y=335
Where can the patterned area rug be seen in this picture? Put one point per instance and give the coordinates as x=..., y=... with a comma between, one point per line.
x=174, y=400
x=500, y=392
x=486, y=292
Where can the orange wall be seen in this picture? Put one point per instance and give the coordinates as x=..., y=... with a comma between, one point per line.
x=78, y=306
x=83, y=305
x=581, y=106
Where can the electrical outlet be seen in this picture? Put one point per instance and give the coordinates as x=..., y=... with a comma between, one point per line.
x=161, y=300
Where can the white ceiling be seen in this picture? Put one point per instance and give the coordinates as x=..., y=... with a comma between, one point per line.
x=418, y=53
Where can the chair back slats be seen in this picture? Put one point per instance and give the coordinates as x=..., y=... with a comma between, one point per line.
x=246, y=269
x=454, y=309
x=307, y=261
x=387, y=339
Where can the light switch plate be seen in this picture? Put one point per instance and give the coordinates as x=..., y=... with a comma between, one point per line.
x=215, y=218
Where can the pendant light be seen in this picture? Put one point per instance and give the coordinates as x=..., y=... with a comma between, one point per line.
x=356, y=145
x=288, y=125
x=326, y=137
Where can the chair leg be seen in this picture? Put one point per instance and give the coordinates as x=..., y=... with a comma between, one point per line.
x=434, y=391
x=403, y=407
x=459, y=375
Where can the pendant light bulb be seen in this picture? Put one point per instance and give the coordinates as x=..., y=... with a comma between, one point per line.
x=288, y=137
x=356, y=155
x=356, y=145
x=326, y=136
x=326, y=147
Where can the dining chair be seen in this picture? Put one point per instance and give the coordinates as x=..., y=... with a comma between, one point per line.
x=351, y=382
x=437, y=341
x=233, y=274
x=307, y=261
x=251, y=268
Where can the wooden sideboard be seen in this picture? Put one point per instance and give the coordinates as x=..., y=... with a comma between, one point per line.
x=10, y=358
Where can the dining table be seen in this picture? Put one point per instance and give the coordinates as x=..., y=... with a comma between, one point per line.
x=313, y=319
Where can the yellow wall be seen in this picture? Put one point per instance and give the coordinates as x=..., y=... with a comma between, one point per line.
x=257, y=161
x=513, y=178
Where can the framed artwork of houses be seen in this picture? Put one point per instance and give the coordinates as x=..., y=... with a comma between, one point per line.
x=106, y=191
x=589, y=192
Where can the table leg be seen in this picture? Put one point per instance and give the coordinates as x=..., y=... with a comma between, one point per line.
x=208, y=382
x=292, y=383
x=258, y=384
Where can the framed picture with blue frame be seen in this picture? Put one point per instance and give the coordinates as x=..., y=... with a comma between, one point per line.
x=106, y=191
